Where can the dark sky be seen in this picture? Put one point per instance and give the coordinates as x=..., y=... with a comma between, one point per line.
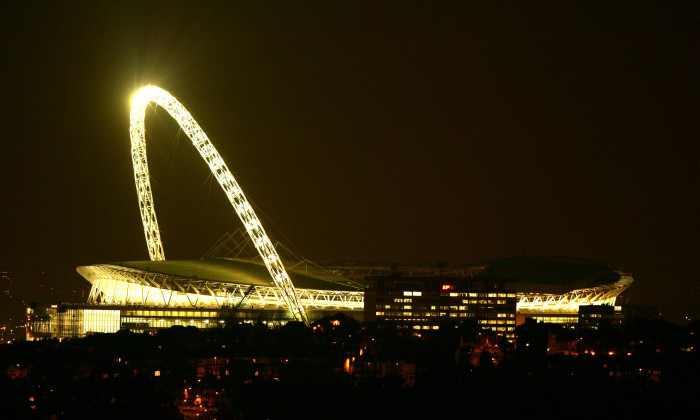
x=406, y=132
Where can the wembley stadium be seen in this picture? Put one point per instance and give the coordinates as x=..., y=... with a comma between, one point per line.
x=546, y=286
x=247, y=276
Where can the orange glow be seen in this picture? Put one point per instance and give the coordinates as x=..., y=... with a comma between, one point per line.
x=156, y=373
x=346, y=367
x=446, y=286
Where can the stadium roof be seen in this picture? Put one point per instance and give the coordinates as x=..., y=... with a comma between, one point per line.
x=550, y=274
x=227, y=270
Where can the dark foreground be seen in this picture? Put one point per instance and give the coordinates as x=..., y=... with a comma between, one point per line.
x=344, y=370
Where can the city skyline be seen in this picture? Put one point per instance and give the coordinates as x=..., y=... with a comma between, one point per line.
x=455, y=134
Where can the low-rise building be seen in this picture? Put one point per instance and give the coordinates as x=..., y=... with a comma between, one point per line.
x=423, y=303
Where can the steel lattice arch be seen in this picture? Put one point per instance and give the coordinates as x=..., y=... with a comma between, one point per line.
x=545, y=285
x=223, y=176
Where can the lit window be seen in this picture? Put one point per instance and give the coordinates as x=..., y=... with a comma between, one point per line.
x=156, y=373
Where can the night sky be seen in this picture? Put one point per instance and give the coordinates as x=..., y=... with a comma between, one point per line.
x=407, y=132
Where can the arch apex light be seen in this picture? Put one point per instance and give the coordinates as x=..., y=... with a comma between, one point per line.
x=223, y=176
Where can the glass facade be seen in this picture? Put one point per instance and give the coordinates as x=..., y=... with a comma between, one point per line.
x=79, y=320
x=62, y=321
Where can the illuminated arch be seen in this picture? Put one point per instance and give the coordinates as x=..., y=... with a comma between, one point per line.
x=222, y=174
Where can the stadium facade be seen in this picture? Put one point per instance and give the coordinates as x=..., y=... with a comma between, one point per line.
x=210, y=292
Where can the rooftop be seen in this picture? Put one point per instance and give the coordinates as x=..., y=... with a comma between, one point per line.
x=230, y=270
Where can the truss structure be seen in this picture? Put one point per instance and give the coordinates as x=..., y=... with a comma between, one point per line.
x=359, y=271
x=539, y=303
x=218, y=168
x=238, y=246
x=116, y=285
